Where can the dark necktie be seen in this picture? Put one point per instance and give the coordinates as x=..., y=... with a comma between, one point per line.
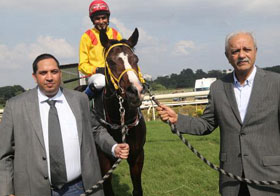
x=57, y=160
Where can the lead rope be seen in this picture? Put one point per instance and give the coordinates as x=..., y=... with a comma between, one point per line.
x=210, y=164
x=124, y=133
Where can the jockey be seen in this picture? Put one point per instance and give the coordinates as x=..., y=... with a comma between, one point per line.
x=92, y=60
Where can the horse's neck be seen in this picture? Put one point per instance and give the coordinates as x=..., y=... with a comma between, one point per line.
x=112, y=109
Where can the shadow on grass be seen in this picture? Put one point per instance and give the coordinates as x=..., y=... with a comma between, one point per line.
x=120, y=189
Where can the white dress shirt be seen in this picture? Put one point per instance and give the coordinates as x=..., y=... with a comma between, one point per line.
x=243, y=92
x=69, y=133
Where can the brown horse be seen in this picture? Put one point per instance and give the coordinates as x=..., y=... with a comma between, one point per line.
x=122, y=97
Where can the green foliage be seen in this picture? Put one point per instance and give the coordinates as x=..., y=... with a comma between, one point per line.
x=186, y=78
x=163, y=80
x=215, y=74
x=8, y=92
x=157, y=87
x=170, y=168
x=200, y=74
x=274, y=68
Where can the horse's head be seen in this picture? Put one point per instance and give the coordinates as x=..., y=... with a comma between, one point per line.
x=122, y=72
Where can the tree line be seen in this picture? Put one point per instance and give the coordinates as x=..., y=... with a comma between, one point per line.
x=8, y=92
x=186, y=78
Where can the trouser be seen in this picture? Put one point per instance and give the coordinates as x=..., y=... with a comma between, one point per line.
x=74, y=188
x=243, y=191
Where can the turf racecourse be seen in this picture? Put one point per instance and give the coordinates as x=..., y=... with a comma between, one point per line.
x=170, y=168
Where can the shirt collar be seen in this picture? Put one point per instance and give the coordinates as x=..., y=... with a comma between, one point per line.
x=249, y=81
x=43, y=98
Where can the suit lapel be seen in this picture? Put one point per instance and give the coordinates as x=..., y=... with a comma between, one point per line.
x=32, y=105
x=74, y=105
x=257, y=90
x=228, y=85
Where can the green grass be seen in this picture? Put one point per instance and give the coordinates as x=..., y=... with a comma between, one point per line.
x=170, y=168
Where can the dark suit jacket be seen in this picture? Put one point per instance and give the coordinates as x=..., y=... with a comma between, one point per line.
x=23, y=170
x=252, y=146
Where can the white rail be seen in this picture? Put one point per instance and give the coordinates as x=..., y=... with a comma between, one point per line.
x=195, y=98
x=169, y=99
x=178, y=95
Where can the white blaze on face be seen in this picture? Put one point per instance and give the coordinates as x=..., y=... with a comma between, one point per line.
x=132, y=77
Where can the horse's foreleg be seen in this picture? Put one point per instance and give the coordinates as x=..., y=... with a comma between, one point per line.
x=105, y=165
x=136, y=162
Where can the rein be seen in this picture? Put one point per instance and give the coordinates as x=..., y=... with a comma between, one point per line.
x=123, y=126
x=210, y=164
x=124, y=129
x=109, y=173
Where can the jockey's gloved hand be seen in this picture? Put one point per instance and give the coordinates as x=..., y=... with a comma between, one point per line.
x=98, y=80
x=100, y=70
x=95, y=84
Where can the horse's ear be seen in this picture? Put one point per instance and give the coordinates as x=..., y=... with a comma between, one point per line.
x=104, y=39
x=132, y=41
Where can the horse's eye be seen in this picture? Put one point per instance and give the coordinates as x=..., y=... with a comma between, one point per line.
x=133, y=59
x=136, y=59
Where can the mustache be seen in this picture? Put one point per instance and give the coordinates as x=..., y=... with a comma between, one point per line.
x=243, y=60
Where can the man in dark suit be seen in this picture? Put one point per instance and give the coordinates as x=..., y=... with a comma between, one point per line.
x=245, y=106
x=30, y=149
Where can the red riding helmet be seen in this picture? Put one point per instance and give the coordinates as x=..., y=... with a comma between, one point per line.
x=98, y=7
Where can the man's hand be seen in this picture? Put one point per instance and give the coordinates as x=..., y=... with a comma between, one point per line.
x=122, y=151
x=166, y=113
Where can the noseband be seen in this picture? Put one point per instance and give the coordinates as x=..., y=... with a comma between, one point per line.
x=116, y=80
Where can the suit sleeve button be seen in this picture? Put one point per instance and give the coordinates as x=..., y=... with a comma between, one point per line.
x=46, y=177
x=44, y=158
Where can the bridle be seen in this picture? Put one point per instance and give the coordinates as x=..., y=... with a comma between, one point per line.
x=116, y=80
x=116, y=84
